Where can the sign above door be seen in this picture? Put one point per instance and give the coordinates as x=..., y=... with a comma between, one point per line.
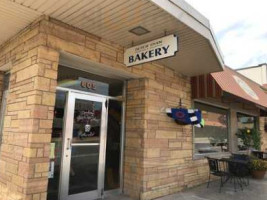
x=154, y=50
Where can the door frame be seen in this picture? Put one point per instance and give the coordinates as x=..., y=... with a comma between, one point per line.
x=66, y=154
x=122, y=139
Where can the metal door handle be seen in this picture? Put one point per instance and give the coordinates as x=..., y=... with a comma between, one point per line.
x=68, y=144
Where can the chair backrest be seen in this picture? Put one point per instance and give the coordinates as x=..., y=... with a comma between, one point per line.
x=240, y=169
x=241, y=157
x=213, y=164
x=258, y=154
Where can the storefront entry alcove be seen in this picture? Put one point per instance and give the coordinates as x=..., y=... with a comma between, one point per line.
x=87, y=138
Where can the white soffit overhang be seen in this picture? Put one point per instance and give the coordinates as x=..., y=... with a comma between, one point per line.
x=76, y=62
x=112, y=20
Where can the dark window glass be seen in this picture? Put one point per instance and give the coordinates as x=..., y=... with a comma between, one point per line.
x=56, y=146
x=112, y=172
x=3, y=99
x=85, y=159
x=213, y=138
x=245, y=122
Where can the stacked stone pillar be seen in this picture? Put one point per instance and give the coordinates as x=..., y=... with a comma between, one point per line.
x=134, y=136
x=25, y=148
x=262, y=123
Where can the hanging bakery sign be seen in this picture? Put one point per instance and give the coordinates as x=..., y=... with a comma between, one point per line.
x=154, y=50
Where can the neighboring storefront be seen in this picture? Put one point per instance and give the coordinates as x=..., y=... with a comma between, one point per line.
x=81, y=120
x=229, y=102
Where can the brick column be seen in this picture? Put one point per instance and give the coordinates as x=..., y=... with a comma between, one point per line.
x=233, y=140
x=263, y=133
x=28, y=121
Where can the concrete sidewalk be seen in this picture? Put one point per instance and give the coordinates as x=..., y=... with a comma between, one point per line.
x=257, y=190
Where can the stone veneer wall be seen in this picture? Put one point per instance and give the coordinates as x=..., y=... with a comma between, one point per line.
x=263, y=121
x=158, y=152
x=29, y=116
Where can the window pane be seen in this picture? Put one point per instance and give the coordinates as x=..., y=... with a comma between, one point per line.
x=3, y=98
x=87, y=82
x=213, y=138
x=87, y=121
x=244, y=122
x=112, y=175
x=83, y=169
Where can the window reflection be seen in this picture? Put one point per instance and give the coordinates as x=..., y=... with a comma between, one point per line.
x=56, y=146
x=112, y=172
x=213, y=138
x=244, y=122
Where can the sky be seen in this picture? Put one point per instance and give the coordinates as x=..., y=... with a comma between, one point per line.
x=240, y=27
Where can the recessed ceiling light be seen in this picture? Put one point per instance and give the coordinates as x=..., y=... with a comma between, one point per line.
x=139, y=30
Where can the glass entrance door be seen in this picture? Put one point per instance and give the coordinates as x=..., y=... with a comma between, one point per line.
x=82, y=175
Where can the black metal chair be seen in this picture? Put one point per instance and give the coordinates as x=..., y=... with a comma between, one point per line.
x=260, y=154
x=239, y=171
x=240, y=157
x=217, y=168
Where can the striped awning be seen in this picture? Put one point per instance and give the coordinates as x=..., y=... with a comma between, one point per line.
x=215, y=84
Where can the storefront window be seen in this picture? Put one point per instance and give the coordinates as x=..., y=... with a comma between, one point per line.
x=213, y=138
x=245, y=122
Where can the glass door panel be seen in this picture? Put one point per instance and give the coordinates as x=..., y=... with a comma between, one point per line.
x=86, y=121
x=84, y=169
x=84, y=145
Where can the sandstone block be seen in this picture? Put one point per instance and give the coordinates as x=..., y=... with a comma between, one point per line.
x=39, y=138
x=42, y=83
x=41, y=167
x=29, y=152
x=153, y=153
x=48, y=99
x=165, y=134
x=34, y=99
x=46, y=124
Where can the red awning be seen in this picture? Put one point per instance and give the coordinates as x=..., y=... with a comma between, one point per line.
x=230, y=81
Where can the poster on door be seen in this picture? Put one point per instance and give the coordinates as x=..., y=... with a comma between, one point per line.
x=51, y=169
x=52, y=162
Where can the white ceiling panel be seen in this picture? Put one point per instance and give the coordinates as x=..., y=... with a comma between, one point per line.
x=112, y=20
x=14, y=18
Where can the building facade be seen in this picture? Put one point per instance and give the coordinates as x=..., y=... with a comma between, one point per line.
x=256, y=73
x=77, y=123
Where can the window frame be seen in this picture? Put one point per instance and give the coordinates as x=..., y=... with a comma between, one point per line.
x=256, y=122
x=203, y=155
